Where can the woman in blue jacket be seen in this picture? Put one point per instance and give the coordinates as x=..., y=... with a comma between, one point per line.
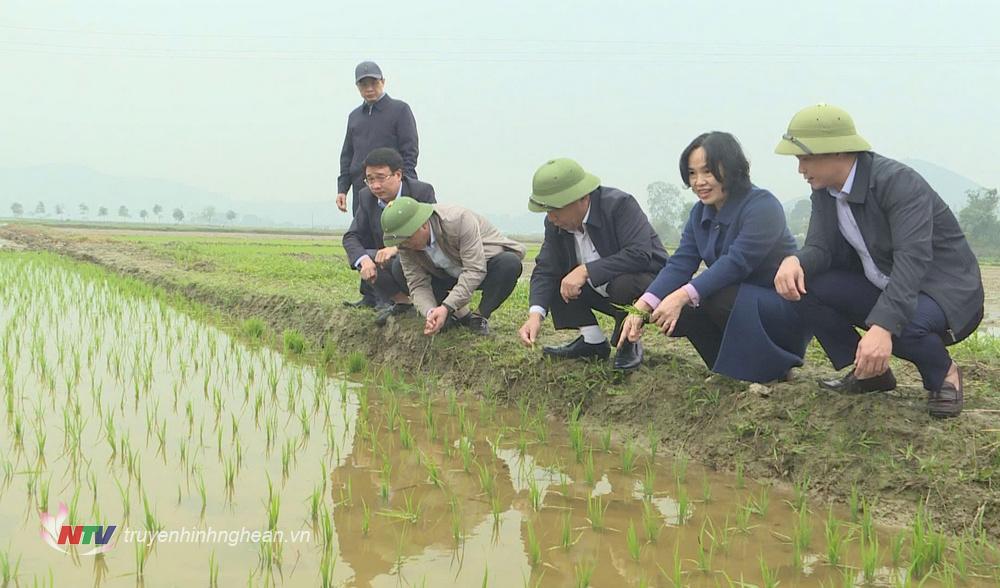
x=730, y=312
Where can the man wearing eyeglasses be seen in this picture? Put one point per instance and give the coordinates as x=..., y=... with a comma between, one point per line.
x=381, y=272
x=381, y=121
x=599, y=251
x=885, y=254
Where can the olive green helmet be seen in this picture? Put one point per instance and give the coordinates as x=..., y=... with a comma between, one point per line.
x=559, y=182
x=823, y=128
x=402, y=217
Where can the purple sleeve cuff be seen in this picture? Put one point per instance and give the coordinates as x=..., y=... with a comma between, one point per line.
x=692, y=294
x=650, y=299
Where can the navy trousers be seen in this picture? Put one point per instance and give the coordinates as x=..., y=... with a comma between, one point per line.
x=838, y=301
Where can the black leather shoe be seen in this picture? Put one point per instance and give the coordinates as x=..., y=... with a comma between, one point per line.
x=629, y=356
x=579, y=348
x=476, y=323
x=392, y=310
x=850, y=384
x=365, y=302
x=946, y=402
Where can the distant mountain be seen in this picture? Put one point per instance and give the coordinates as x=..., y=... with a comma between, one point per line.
x=70, y=185
x=950, y=185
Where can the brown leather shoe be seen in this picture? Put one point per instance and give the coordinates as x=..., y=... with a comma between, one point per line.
x=948, y=401
x=850, y=384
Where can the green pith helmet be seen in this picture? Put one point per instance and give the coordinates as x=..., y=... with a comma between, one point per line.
x=402, y=217
x=823, y=128
x=558, y=183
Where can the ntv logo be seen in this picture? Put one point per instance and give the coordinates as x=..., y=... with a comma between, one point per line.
x=55, y=533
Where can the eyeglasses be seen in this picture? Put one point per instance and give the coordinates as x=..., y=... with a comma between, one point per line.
x=377, y=179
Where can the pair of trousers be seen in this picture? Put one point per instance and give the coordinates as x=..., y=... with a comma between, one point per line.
x=838, y=301
x=502, y=272
x=704, y=325
x=622, y=290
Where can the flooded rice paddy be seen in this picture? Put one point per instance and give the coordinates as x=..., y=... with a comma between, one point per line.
x=220, y=462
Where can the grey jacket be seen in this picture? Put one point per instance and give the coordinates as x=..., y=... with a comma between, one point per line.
x=469, y=240
x=912, y=236
x=621, y=234
x=366, y=228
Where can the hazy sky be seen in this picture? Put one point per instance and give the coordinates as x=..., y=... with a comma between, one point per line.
x=250, y=98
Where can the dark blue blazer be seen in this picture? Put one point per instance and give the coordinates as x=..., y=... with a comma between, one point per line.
x=743, y=242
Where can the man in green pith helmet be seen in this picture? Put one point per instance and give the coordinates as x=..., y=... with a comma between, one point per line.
x=883, y=253
x=599, y=251
x=448, y=252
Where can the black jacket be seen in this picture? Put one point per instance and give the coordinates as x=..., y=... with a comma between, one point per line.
x=622, y=235
x=366, y=228
x=387, y=123
x=912, y=236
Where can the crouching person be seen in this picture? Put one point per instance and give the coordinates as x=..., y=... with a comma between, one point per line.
x=599, y=251
x=730, y=312
x=448, y=252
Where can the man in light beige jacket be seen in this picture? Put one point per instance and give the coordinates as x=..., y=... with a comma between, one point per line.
x=447, y=253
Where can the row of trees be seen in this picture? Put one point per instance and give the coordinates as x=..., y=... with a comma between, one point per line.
x=669, y=210
x=207, y=214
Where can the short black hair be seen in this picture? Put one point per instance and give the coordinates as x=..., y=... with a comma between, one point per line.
x=725, y=159
x=385, y=156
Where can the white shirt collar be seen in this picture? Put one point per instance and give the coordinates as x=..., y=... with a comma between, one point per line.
x=583, y=224
x=848, y=184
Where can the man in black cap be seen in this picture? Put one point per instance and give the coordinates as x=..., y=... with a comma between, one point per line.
x=381, y=121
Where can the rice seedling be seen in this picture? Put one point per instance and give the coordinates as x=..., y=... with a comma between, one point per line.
x=433, y=471
x=588, y=468
x=366, y=516
x=294, y=341
x=896, y=549
x=487, y=479
x=743, y=514
x=566, y=534
x=595, y=512
x=867, y=522
x=803, y=529
x=834, y=539
x=385, y=482
x=356, y=362
x=680, y=469
x=801, y=493
x=706, y=490
x=141, y=555
x=632, y=542
x=149, y=517
x=534, y=493
x=534, y=547
x=854, y=503
x=676, y=575
x=869, y=557
x=327, y=564
x=651, y=522
x=648, y=480
x=683, y=505
x=213, y=571
x=583, y=572
x=769, y=576
x=926, y=545
x=628, y=457
x=575, y=430
x=706, y=548
x=465, y=450
x=740, y=482
x=606, y=440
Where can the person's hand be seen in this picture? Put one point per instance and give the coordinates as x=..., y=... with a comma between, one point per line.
x=572, y=284
x=665, y=315
x=368, y=269
x=790, y=281
x=631, y=329
x=529, y=330
x=874, y=350
x=436, y=318
x=384, y=255
x=342, y=202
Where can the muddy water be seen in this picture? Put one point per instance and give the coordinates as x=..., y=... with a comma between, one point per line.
x=112, y=398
